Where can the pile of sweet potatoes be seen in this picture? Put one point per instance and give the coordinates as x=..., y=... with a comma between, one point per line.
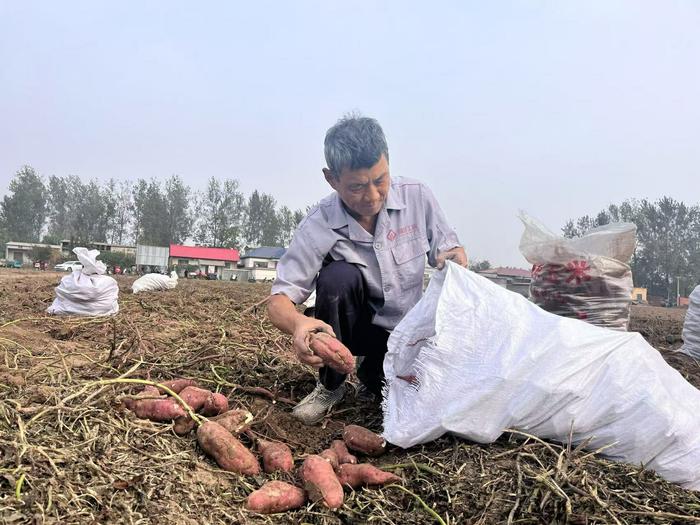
x=322, y=477
x=325, y=475
x=153, y=403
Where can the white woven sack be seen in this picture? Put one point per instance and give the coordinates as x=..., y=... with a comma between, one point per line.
x=152, y=282
x=477, y=359
x=691, y=326
x=87, y=291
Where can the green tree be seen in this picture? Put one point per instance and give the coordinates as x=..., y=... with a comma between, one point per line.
x=221, y=211
x=668, y=242
x=270, y=233
x=253, y=225
x=57, y=207
x=286, y=225
x=177, y=204
x=137, y=207
x=479, y=266
x=22, y=213
x=88, y=211
x=117, y=258
x=122, y=212
x=150, y=214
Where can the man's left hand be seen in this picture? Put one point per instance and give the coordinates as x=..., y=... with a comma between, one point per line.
x=457, y=255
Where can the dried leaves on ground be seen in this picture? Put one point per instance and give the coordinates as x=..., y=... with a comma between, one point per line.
x=70, y=453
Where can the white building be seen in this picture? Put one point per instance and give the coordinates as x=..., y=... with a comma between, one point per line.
x=261, y=263
x=67, y=247
x=22, y=251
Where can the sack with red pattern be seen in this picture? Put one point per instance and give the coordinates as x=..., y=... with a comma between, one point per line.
x=587, y=277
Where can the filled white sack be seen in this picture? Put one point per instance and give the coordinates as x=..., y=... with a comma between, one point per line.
x=588, y=277
x=485, y=360
x=152, y=282
x=87, y=291
x=691, y=326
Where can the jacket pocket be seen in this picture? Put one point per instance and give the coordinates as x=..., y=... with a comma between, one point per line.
x=410, y=262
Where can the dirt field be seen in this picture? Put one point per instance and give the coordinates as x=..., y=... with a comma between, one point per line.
x=70, y=452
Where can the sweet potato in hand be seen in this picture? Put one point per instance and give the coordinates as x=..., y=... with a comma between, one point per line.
x=364, y=474
x=275, y=496
x=226, y=449
x=276, y=456
x=344, y=456
x=362, y=440
x=155, y=409
x=333, y=353
x=321, y=483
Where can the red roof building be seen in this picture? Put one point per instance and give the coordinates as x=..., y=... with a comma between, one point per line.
x=204, y=253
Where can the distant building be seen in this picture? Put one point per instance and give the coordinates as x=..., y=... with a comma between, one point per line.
x=514, y=279
x=639, y=295
x=22, y=251
x=260, y=264
x=203, y=259
x=68, y=245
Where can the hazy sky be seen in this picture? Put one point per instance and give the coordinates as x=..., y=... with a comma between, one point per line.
x=558, y=108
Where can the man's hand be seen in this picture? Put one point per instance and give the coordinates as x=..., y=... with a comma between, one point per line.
x=303, y=328
x=457, y=255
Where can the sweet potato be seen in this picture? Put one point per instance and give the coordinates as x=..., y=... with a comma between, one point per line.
x=321, y=483
x=226, y=449
x=149, y=391
x=177, y=385
x=275, y=496
x=364, y=474
x=333, y=353
x=344, y=456
x=215, y=404
x=155, y=409
x=362, y=440
x=276, y=456
x=195, y=397
x=235, y=421
x=331, y=457
x=184, y=425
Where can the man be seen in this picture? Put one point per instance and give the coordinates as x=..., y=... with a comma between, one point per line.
x=363, y=250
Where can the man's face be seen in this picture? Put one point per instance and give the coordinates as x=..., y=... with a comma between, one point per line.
x=363, y=191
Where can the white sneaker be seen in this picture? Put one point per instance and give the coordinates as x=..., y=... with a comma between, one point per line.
x=317, y=404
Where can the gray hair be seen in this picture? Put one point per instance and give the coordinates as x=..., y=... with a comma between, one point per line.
x=354, y=142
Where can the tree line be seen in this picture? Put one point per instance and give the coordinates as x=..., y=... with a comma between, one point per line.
x=667, y=256
x=144, y=211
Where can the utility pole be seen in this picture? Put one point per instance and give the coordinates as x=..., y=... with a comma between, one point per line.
x=678, y=290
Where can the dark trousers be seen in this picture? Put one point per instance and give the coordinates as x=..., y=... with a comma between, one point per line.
x=341, y=301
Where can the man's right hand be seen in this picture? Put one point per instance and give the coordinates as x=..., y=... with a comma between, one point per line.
x=304, y=327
